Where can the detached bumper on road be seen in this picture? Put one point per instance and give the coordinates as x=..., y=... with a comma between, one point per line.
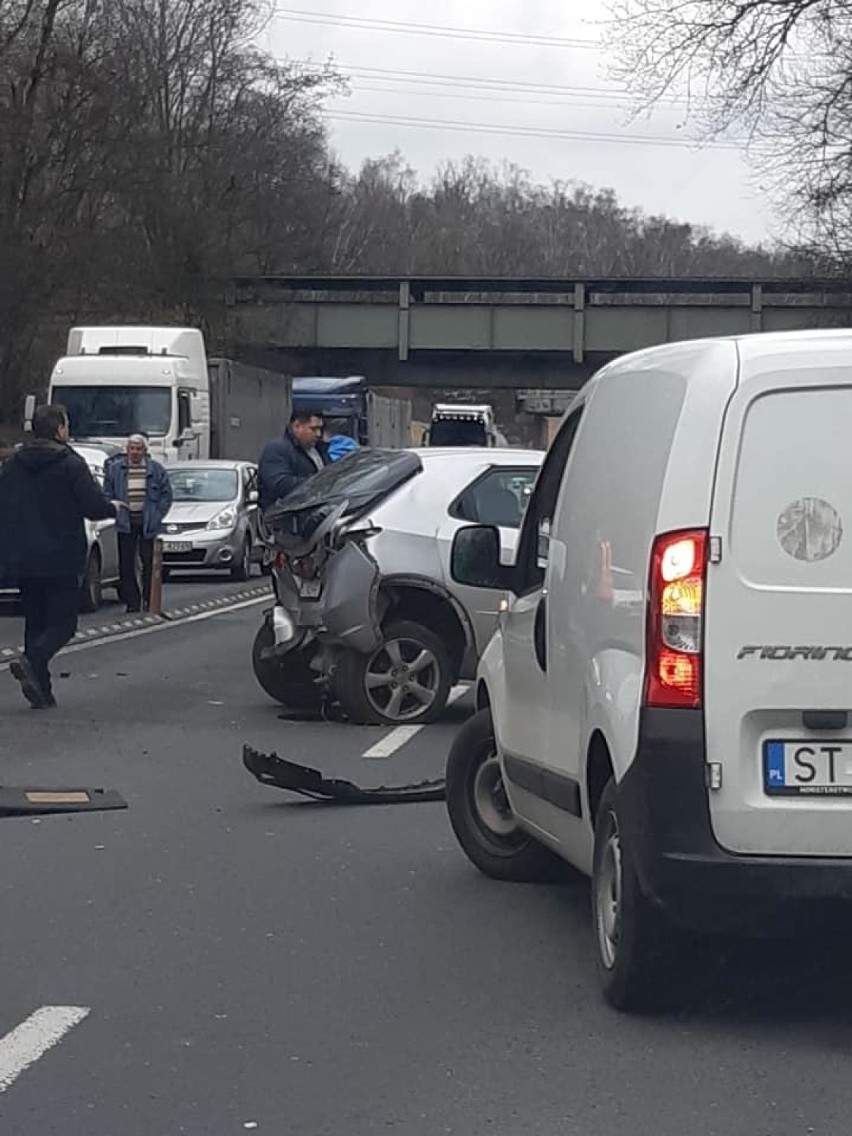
x=665, y=814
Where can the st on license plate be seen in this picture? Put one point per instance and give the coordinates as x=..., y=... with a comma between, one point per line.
x=177, y=546
x=808, y=768
x=310, y=589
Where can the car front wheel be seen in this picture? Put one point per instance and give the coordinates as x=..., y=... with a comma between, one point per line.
x=242, y=568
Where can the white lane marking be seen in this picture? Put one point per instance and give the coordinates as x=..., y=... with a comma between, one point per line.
x=399, y=735
x=31, y=1039
x=151, y=628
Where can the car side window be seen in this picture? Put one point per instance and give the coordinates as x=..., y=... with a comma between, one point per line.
x=534, y=541
x=498, y=497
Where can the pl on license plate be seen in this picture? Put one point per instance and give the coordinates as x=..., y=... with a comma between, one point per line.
x=177, y=546
x=310, y=589
x=808, y=768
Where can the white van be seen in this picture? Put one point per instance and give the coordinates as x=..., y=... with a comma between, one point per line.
x=667, y=702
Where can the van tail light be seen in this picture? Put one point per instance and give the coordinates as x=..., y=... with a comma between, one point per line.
x=676, y=619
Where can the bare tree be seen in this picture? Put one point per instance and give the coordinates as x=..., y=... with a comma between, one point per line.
x=780, y=70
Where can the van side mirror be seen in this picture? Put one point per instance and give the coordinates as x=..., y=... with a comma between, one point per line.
x=253, y=497
x=475, y=558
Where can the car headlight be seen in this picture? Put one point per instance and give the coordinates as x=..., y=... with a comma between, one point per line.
x=225, y=520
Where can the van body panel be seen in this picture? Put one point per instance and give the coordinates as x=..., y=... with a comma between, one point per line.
x=627, y=456
x=778, y=616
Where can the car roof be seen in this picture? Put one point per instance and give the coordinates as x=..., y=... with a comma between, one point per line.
x=212, y=463
x=497, y=455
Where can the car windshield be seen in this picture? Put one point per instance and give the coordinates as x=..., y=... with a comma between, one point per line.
x=199, y=484
x=362, y=476
x=116, y=411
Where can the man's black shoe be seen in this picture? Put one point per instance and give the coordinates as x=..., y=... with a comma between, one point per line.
x=22, y=670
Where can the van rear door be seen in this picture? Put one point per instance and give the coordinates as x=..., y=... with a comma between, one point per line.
x=778, y=629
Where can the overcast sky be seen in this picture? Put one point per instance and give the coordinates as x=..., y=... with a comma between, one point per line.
x=504, y=90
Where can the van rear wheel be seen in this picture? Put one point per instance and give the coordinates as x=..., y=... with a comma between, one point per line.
x=636, y=945
x=480, y=813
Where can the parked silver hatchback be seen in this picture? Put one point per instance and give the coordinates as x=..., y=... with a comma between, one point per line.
x=213, y=521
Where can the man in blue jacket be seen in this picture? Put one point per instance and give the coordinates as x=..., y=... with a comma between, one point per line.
x=291, y=459
x=143, y=485
x=46, y=492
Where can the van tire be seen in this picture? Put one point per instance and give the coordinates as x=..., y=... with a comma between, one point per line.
x=479, y=810
x=635, y=945
x=91, y=590
x=352, y=671
x=288, y=678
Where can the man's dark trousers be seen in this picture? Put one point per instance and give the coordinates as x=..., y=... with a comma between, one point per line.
x=50, y=605
x=128, y=543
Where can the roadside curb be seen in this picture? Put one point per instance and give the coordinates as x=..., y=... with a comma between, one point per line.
x=173, y=615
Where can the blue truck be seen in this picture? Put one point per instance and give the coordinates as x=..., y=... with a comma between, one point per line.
x=351, y=408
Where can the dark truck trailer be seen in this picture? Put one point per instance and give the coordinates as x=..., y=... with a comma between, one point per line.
x=350, y=408
x=248, y=406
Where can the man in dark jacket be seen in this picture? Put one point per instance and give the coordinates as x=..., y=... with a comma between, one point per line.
x=143, y=485
x=46, y=492
x=289, y=460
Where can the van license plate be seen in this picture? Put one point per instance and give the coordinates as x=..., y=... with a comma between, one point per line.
x=177, y=546
x=309, y=589
x=807, y=768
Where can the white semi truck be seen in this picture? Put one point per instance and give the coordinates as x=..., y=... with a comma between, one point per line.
x=158, y=381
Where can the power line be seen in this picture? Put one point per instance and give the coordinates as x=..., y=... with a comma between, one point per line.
x=405, y=28
x=524, y=131
x=512, y=86
x=494, y=96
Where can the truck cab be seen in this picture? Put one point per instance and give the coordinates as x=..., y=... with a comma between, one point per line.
x=463, y=424
x=117, y=381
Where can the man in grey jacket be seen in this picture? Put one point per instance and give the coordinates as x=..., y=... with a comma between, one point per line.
x=143, y=485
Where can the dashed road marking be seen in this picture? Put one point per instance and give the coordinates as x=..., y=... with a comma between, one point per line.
x=400, y=735
x=156, y=625
x=30, y=1040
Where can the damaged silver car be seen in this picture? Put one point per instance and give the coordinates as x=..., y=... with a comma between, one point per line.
x=367, y=613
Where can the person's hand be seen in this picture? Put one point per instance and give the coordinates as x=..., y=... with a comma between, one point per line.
x=118, y=505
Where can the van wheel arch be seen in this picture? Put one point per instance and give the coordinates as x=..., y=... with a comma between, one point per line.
x=599, y=771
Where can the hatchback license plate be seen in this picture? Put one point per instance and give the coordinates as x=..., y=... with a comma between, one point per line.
x=177, y=546
x=805, y=768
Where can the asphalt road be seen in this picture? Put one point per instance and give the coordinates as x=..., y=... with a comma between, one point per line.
x=250, y=962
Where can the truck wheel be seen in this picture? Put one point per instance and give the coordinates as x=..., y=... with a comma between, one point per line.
x=636, y=944
x=406, y=679
x=242, y=569
x=287, y=679
x=91, y=591
x=481, y=815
